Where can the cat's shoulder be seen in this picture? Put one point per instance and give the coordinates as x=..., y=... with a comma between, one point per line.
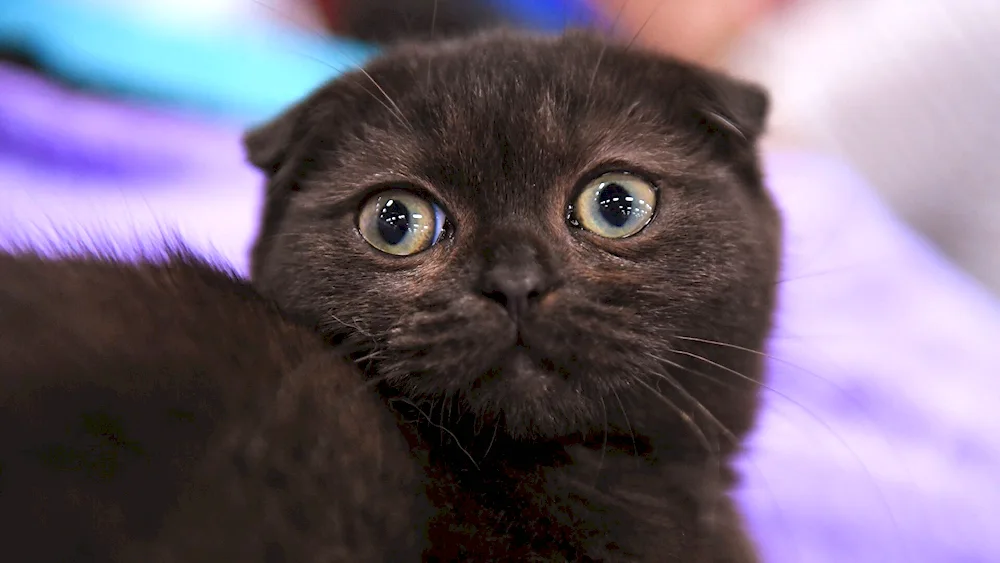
x=164, y=302
x=162, y=400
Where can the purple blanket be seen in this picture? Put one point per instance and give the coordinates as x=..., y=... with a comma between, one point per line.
x=881, y=435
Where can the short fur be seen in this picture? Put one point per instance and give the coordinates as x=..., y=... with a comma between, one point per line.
x=166, y=413
x=599, y=426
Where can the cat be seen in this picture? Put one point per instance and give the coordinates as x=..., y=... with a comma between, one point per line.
x=563, y=347
x=551, y=257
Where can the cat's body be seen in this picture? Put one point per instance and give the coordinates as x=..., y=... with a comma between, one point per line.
x=571, y=375
x=165, y=412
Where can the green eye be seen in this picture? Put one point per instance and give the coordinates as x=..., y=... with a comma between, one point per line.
x=614, y=205
x=400, y=222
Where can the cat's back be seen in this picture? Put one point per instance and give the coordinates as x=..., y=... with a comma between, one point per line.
x=164, y=411
x=163, y=309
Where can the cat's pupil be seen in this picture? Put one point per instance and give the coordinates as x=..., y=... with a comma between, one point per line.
x=615, y=204
x=393, y=221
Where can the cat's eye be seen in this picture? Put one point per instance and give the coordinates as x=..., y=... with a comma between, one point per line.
x=614, y=205
x=401, y=222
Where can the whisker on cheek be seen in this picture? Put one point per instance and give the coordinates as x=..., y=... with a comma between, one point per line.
x=685, y=417
x=691, y=399
x=493, y=439
x=431, y=422
x=826, y=426
x=628, y=424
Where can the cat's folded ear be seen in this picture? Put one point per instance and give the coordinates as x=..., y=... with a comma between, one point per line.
x=733, y=108
x=269, y=145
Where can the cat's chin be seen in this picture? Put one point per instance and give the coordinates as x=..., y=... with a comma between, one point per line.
x=520, y=392
x=535, y=402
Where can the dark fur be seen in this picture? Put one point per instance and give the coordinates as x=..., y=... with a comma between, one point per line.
x=166, y=413
x=599, y=437
x=566, y=450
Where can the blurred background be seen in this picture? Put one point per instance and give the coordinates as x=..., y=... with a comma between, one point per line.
x=881, y=437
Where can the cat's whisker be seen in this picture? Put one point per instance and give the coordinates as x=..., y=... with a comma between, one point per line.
x=441, y=416
x=449, y=407
x=690, y=422
x=628, y=423
x=430, y=59
x=297, y=25
x=355, y=327
x=820, y=273
x=398, y=113
x=434, y=14
x=394, y=110
x=746, y=378
x=443, y=429
x=357, y=67
x=836, y=435
x=496, y=428
x=478, y=424
x=642, y=27
x=693, y=400
x=774, y=358
x=769, y=357
x=730, y=436
x=369, y=357
x=604, y=49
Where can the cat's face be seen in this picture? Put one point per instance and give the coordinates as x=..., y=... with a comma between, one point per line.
x=541, y=231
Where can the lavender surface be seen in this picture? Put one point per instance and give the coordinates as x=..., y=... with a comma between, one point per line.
x=880, y=439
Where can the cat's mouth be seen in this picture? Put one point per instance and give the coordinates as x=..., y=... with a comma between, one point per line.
x=524, y=385
x=529, y=374
x=535, y=397
x=529, y=399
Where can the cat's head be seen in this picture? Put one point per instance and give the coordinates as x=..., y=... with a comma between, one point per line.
x=547, y=232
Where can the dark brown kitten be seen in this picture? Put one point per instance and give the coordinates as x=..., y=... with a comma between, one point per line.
x=166, y=413
x=560, y=258
x=551, y=256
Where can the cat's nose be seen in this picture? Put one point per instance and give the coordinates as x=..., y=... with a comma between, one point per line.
x=516, y=288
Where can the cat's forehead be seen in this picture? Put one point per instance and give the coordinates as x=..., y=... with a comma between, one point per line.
x=539, y=81
x=516, y=113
